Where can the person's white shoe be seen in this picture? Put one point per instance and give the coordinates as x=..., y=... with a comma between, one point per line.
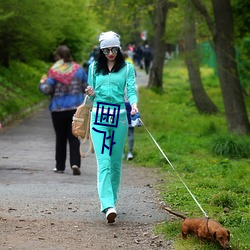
x=129, y=156
x=111, y=214
x=58, y=171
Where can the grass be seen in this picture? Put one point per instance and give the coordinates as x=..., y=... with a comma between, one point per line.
x=19, y=88
x=214, y=164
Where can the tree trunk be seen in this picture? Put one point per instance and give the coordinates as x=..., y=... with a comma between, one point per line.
x=223, y=38
x=235, y=109
x=159, y=47
x=201, y=99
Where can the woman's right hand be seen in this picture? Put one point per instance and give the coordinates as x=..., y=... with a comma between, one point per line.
x=90, y=91
x=43, y=79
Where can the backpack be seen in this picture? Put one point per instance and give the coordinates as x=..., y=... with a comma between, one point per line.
x=81, y=126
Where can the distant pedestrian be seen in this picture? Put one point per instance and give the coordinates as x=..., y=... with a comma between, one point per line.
x=93, y=55
x=65, y=84
x=138, y=56
x=147, y=54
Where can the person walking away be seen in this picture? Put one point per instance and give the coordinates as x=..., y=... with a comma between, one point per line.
x=65, y=84
x=93, y=55
x=108, y=78
x=147, y=54
x=139, y=56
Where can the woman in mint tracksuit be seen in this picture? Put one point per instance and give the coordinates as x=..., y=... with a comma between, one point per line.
x=108, y=77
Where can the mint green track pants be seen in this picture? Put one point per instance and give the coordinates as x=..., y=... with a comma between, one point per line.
x=109, y=166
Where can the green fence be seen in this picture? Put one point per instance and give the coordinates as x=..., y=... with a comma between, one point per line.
x=208, y=58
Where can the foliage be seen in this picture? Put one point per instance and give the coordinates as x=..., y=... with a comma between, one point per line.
x=241, y=17
x=219, y=183
x=127, y=17
x=27, y=33
x=242, y=37
x=175, y=25
x=19, y=88
x=243, y=60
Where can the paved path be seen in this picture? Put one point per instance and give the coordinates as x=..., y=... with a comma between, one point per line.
x=30, y=190
x=26, y=163
x=141, y=78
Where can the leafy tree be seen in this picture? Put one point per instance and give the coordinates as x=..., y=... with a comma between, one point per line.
x=21, y=34
x=28, y=33
x=126, y=17
x=78, y=29
x=242, y=33
x=175, y=24
x=135, y=15
x=241, y=18
x=221, y=28
x=201, y=99
x=156, y=72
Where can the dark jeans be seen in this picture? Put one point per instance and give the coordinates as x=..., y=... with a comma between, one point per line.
x=62, y=122
x=147, y=65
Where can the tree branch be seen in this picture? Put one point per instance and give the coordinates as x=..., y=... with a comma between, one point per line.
x=202, y=9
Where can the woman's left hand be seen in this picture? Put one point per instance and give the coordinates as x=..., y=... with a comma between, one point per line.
x=134, y=109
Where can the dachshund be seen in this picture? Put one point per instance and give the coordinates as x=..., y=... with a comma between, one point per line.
x=204, y=229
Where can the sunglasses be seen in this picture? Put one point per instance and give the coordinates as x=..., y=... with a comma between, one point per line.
x=106, y=51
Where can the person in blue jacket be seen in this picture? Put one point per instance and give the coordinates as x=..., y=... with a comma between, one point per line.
x=65, y=83
x=108, y=77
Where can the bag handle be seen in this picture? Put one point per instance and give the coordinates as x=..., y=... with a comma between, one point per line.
x=90, y=149
x=85, y=99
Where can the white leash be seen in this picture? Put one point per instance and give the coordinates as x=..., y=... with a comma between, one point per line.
x=174, y=169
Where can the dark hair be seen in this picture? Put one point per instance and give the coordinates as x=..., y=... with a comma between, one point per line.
x=102, y=67
x=64, y=53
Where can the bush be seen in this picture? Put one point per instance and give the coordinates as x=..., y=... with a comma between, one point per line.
x=231, y=146
x=19, y=88
x=223, y=200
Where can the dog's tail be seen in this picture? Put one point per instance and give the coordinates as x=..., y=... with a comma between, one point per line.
x=175, y=213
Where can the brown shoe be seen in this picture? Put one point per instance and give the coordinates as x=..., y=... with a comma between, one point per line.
x=76, y=170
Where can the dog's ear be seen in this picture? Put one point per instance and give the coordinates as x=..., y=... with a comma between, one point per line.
x=214, y=235
x=228, y=237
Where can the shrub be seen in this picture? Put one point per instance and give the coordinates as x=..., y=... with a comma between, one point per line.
x=223, y=200
x=231, y=146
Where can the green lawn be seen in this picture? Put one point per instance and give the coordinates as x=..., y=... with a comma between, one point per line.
x=214, y=164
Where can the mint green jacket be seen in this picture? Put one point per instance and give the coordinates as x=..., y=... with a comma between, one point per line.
x=112, y=87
